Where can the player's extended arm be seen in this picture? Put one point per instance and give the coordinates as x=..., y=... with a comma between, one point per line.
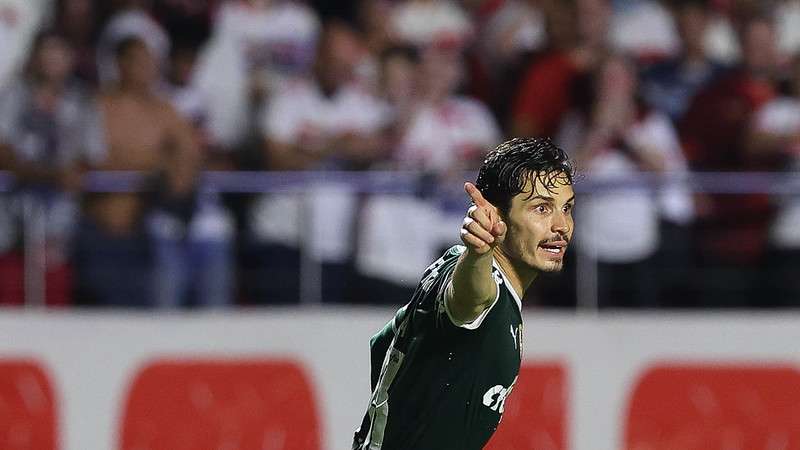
x=472, y=288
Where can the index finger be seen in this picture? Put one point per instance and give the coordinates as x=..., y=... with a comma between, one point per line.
x=475, y=194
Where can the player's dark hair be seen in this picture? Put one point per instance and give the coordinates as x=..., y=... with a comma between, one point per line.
x=507, y=169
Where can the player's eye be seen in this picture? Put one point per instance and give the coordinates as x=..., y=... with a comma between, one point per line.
x=568, y=207
x=541, y=209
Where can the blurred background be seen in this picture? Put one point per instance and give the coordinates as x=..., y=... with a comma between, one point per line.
x=168, y=153
x=276, y=165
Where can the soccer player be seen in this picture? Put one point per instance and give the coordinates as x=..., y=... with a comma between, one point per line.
x=444, y=366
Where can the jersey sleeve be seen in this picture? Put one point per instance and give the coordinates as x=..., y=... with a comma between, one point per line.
x=379, y=345
x=475, y=323
x=437, y=280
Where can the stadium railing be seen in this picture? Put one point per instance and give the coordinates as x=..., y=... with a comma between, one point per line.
x=384, y=182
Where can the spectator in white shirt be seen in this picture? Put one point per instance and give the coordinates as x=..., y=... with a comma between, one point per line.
x=447, y=131
x=255, y=47
x=19, y=21
x=425, y=22
x=329, y=122
x=644, y=30
x=615, y=138
x=514, y=28
x=441, y=134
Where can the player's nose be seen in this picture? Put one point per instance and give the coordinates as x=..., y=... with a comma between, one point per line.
x=560, y=224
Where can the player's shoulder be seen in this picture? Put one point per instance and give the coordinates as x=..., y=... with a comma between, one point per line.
x=441, y=266
x=451, y=254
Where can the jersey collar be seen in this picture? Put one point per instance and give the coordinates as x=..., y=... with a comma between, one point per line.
x=507, y=283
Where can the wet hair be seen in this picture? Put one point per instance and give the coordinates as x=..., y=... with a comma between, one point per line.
x=507, y=169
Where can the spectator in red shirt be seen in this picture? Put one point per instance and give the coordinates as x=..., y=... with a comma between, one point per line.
x=543, y=97
x=731, y=229
x=775, y=135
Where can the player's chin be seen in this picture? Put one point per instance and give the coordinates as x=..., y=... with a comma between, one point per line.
x=546, y=262
x=551, y=266
x=548, y=266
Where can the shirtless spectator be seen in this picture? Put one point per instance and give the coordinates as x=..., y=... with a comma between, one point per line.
x=143, y=133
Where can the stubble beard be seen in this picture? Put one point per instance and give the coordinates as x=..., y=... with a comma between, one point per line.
x=552, y=267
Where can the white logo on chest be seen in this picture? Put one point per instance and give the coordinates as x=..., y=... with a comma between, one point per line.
x=495, y=397
x=514, y=334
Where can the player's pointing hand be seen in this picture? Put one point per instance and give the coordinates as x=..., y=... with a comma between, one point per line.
x=482, y=229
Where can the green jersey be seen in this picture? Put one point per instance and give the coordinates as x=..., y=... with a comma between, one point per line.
x=438, y=384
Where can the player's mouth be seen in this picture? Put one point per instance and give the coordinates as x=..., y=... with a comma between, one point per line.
x=554, y=249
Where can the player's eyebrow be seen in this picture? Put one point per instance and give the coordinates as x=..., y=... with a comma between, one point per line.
x=548, y=199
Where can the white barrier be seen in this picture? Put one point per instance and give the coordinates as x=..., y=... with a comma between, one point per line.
x=91, y=358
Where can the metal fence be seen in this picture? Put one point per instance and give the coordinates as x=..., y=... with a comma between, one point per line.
x=381, y=182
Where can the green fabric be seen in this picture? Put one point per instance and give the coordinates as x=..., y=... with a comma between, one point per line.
x=445, y=385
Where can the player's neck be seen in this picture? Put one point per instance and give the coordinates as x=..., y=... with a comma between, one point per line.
x=519, y=275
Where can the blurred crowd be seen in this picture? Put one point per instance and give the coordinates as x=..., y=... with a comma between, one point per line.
x=171, y=88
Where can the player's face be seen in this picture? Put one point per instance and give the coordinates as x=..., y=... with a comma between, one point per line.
x=540, y=226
